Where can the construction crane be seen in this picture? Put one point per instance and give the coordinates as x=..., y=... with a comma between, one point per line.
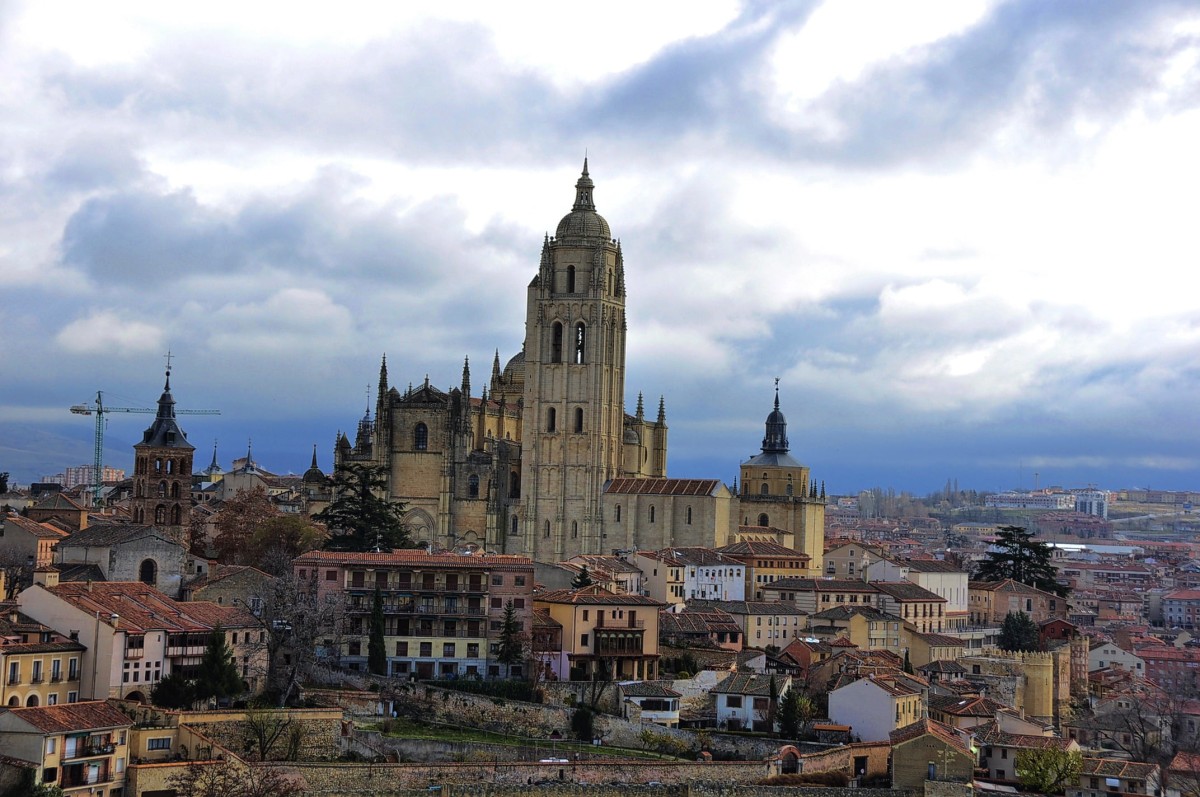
x=100, y=409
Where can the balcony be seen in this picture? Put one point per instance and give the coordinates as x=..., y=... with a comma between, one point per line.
x=73, y=780
x=621, y=623
x=37, y=678
x=91, y=750
x=55, y=677
x=13, y=680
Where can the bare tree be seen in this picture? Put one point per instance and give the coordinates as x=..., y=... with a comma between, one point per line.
x=298, y=623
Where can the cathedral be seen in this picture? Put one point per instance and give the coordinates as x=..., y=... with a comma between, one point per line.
x=522, y=468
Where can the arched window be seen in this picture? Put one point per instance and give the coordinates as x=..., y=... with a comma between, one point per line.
x=580, y=339
x=14, y=701
x=551, y=420
x=170, y=466
x=139, y=490
x=160, y=514
x=789, y=486
x=158, y=466
x=556, y=342
x=763, y=520
x=579, y=420
x=176, y=515
x=764, y=490
x=148, y=572
x=618, y=513
x=162, y=489
x=651, y=514
x=421, y=437
x=513, y=526
x=574, y=529
x=546, y=529
x=175, y=490
x=689, y=516
x=570, y=279
x=32, y=700
x=514, y=485
x=473, y=486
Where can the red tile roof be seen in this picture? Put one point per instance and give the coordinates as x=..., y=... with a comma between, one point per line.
x=66, y=717
x=412, y=557
x=594, y=595
x=140, y=608
x=662, y=486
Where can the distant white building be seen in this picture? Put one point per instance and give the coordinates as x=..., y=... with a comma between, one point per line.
x=1092, y=502
x=1015, y=500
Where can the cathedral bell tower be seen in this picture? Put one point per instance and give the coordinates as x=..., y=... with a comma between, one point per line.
x=573, y=414
x=162, y=472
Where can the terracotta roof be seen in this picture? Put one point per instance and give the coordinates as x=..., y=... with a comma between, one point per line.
x=1113, y=768
x=416, y=556
x=990, y=733
x=697, y=622
x=690, y=556
x=762, y=548
x=106, y=534
x=907, y=591
x=542, y=619
x=821, y=585
x=848, y=610
x=648, y=689
x=942, y=640
x=140, y=608
x=943, y=666
x=748, y=607
x=933, y=566
x=612, y=564
x=662, y=486
x=928, y=727
x=964, y=706
x=748, y=683
x=39, y=530
x=66, y=717
x=594, y=595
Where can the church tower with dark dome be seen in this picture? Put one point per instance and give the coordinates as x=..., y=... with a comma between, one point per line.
x=162, y=471
x=778, y=493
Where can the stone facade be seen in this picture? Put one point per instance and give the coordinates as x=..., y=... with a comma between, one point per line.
x=522, y=468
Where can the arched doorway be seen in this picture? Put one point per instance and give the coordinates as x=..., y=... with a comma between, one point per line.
x=148, y=572
x=32, y=700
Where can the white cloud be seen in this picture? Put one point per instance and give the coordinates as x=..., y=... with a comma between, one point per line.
x=110, y=332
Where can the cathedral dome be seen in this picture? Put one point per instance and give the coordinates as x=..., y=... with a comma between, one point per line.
x=514, y=371
x=583, y=221
x=583, y=224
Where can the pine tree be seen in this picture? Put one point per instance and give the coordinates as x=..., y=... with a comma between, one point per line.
x=1022, y=558
x=174, y=691
x=582, y=579
x=789, y=715
x=511, y=648
x=1019, y=632
x=218, y=674
x=358, y=518
x=376, y=651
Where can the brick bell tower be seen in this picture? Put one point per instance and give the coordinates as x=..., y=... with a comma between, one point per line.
x=162, y=472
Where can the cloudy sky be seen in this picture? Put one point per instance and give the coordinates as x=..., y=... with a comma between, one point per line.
x=961, y=233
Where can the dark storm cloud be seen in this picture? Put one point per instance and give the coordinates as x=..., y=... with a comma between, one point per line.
x=144, y=236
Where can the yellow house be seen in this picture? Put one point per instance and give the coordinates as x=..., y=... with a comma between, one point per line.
x=37, y=666
x=867, y=627
x=765, y=562
x=603, y=634
x=80, y=747
x=927, y=648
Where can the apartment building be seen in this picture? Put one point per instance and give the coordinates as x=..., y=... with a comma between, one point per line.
x=604, y=635
x=765, y=562
x=677, y=575
x=38, y=667
x=763, y=623
x=135, y=635
x=443, y=612
x=80, y=747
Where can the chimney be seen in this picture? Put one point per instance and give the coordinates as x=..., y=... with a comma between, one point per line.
x=46, y=576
